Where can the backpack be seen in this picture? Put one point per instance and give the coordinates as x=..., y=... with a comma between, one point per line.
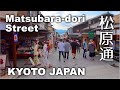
x=48, y=48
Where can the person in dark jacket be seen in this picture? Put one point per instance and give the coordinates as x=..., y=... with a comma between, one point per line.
x=67, y=47
x=74, y=47
x=91, y=48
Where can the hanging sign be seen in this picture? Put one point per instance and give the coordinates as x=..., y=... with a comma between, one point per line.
x=15, y=38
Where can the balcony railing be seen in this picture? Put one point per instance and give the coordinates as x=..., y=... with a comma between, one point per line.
x=91, y=26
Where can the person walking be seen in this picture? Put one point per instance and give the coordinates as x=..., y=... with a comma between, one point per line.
x=74, y=47
x=45, y=54
x=61, y=49
x=36, y=52
x=78, y=47
x=84, y=48
x=91, y=48
x=67, y=47
x=55, y=45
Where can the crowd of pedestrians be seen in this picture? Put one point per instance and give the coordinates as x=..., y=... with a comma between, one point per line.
x=66, y=46
x=75, y=46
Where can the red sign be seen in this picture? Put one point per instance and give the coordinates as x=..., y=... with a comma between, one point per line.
x=2, y=61
x=15, y=38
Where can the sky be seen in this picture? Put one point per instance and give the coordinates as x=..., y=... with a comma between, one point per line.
x=64, y=25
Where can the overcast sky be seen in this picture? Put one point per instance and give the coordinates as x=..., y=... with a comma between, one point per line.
x=64, y=25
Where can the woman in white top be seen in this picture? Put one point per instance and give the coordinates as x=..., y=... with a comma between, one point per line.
x=45, y=54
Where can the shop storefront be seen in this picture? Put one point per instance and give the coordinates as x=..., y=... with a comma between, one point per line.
x=6, y=45
x=25, y=44
x=116, y=40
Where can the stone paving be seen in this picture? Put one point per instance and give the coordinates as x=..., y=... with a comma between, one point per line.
x=94, y=69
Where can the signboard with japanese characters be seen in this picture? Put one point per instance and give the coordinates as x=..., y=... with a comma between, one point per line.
x=91, y=35
x=106, y=37
x=2, y=61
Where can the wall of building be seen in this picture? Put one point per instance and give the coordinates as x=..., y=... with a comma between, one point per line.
x=20, y=13
x=117, y=18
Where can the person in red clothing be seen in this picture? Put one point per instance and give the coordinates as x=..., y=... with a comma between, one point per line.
x=74, y=47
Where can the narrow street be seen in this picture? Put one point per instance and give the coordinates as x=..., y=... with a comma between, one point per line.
x=94, y=69
x=24, y=33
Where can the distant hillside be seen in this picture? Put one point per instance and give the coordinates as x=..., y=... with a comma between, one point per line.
x=61, y=31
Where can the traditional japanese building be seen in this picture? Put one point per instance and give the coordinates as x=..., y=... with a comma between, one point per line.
x=116, y=37
x=90, y=26
x=24, y=39
x=7, y=39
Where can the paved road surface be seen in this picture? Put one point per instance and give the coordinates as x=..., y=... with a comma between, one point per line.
x=94, y=69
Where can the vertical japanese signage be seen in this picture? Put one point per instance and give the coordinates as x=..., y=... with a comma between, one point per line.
x=91, y=35
x=106, y=37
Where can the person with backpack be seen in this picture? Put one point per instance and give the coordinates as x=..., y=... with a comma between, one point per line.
x=84, y=48
x=91, y=48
